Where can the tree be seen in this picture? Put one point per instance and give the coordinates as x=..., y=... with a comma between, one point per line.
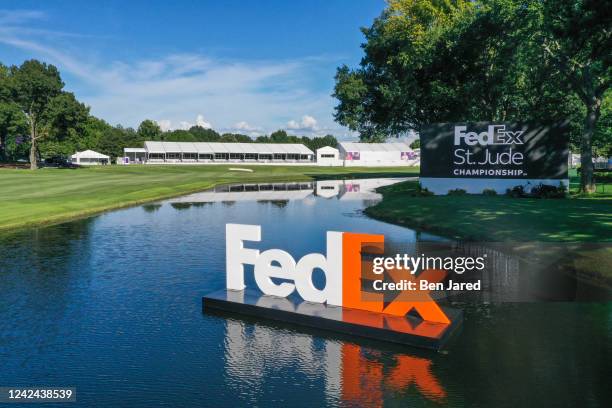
x=12, y=122
x=34, y=85
x=202, y=134
x=280, y=136
x=149, y=130
x=65, y=120
x=577, y=35
x=416, y=144
x=235, y=138
x=431, y=61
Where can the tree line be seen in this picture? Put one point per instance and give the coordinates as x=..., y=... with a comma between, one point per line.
x=39, y=119
x=428, y=61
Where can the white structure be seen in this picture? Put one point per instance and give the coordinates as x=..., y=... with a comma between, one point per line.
x=347, y=154
x=90, y=158
x=377, y=154
x=209, y=152
x=328, y=156
x=135, y=155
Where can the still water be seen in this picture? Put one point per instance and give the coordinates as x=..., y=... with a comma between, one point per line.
x=111, y=305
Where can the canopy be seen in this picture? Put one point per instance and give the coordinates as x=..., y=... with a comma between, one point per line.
x=214, y=147
x=89, y=154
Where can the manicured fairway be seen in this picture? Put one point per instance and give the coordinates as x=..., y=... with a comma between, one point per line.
x=51, y=195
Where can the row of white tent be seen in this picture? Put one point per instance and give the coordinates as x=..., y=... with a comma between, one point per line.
x=346, y=154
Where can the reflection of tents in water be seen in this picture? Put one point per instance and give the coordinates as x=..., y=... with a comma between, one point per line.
x=267, y=192
x=360, y=189
x=280, y=193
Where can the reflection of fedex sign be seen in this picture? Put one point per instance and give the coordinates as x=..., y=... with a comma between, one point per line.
x=342, y=266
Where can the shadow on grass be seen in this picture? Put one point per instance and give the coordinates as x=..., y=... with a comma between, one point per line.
x=497, y=218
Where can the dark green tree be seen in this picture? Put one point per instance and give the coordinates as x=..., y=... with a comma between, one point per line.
x=65, y=120
x=34, y=85
x=149, y=130
x=577, y=35
x=497, y=60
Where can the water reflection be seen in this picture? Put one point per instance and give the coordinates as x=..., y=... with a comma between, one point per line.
x=352, y=374
x=112, y=305
x=281, y=193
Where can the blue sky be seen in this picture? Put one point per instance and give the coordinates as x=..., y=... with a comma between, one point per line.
x=248, y=66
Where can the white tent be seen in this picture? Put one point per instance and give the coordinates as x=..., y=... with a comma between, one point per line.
x=377, y=154
x=328, y=156
x=90, y=158
x=210, y=152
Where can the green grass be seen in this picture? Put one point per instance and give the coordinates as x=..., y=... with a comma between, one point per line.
x=45, y=196
x=579, y=219
x=498, y=218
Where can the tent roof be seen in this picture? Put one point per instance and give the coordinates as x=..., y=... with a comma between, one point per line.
x=375, y=147
x=215, y=147
x=327, y=149
x=89, y=154
x=134, y=150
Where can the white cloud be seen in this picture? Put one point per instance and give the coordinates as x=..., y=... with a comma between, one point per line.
x=307, y=123
x=177, y=87
x=164, y=124
x=202, y=123
x=292, y=124
x=244, y=126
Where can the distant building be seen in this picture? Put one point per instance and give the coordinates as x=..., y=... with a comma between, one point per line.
x=328, y=156
x=377, y=154
x=90, y=158
x=137, y=155
x=346, y=154
x=211, y=152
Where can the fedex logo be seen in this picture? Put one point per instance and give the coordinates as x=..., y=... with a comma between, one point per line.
x=495, y=135
x=343, y=268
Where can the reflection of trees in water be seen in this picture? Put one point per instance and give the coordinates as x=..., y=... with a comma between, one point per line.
x=180, y=206
x=276, y=203
x=560, y=349
x=40, y=271
x=185, y=206
x=228, y=203
x=151, y=207
x=202, y=204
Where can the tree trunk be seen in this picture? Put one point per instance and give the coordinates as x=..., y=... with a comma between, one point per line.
x=33, y=161
x=587, y=183
x=3, y=155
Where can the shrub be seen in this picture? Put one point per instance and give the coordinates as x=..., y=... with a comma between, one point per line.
x=422, y=192
x=457, y=192
x=516, y=192
x=548, y=191
x=489, y=192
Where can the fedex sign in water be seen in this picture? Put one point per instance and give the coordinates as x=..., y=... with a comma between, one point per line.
x=484, y=155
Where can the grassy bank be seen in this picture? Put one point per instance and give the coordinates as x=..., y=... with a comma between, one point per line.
x=500, y=218
x=53, y=195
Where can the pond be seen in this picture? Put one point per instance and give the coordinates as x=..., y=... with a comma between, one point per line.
x=112, y=305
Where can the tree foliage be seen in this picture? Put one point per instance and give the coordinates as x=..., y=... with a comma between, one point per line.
x=40, y=119
x=428, y=61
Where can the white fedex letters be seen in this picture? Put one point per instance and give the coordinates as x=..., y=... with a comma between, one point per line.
x=275, y=263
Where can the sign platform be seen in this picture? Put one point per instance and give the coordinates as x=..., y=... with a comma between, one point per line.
x=407, y=330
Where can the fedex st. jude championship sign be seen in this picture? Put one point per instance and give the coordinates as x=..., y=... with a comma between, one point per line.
x=487, y=155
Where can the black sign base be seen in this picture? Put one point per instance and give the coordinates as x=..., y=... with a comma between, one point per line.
x=408, y=330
